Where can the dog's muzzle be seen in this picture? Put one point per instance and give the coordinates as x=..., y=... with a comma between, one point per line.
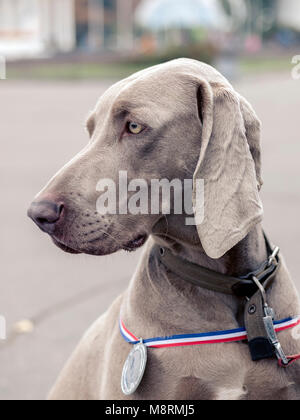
x=46, y=215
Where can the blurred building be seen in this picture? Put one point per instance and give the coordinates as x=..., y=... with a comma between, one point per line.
x=31, y=28
x=35, y=27
x=105, y=23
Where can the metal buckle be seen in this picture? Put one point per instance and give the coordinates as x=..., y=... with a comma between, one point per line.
x=268, y=320
x=269, y=325
x=272, y=258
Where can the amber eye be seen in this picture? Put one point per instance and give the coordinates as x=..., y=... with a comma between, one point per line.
x=134, y=128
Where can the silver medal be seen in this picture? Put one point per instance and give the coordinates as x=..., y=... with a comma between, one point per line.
x=134, y=368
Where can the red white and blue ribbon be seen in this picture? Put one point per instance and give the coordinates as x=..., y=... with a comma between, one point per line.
x=226, y=336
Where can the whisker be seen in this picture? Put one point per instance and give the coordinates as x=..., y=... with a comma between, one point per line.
x=112, y=237
x=167, y=222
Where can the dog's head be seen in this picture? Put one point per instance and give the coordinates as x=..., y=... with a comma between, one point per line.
x=175, y=121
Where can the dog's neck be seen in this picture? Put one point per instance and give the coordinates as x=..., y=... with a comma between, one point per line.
x=153, y=291
x=245, y=257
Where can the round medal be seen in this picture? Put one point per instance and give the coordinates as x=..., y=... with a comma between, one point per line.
x=134, y=368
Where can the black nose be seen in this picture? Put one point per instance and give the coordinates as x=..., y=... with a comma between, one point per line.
x=45, y=214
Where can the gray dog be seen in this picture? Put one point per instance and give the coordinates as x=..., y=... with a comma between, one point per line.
x=178, y=120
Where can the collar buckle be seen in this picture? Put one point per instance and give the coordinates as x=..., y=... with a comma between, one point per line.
x=269, y=318
x=273, y=256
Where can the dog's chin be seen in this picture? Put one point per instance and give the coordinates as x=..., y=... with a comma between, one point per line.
x=65, y=248
x=130, y=246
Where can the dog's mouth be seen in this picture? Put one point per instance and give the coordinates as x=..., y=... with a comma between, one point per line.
x=138, y=242
x=131, y=246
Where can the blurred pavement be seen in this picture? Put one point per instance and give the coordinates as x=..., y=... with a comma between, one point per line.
x=41, y=129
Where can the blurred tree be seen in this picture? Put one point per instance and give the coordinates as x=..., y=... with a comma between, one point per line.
x=109, y=4
x=237, y=12
x=226, y=6
x=260, y=16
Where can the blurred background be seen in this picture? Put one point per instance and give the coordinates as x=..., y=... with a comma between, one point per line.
x=112, y=38
x=61, y=55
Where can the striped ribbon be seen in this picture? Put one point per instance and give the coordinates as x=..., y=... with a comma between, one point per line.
x=226, y=336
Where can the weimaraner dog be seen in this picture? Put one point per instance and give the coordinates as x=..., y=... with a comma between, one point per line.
x=178, y=120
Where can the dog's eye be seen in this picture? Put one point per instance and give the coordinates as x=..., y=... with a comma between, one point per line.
x=134, y=128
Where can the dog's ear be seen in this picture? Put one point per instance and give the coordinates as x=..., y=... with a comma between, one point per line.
x=253, y=133
x=90, y=125
x=229, y=146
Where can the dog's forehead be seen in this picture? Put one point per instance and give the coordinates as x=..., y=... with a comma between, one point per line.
x=141, y=88
x=161, y=84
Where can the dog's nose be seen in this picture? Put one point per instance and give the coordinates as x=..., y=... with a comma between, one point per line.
x=45, y=214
